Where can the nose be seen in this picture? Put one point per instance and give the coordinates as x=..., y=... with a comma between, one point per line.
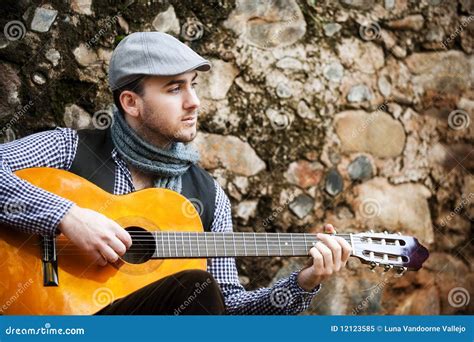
x=191, y=100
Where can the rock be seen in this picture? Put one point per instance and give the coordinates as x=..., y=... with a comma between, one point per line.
x=389, y=4
x=283, y=91
x=404, y=208
x=7, y=135
x=302, y=205
x=167, y=22
x=333, y=182
x=421, y=302
x=304, y=111
x=365, y=57
x=454, y=228
x=395, y=109
x=242, y=184
x=38, y=78
x=331, y=29
x=43, y=19
x=216, y=83
x=267, y=24
x=279, y=119
x=334, y=72
x=82, y=6
x=10, y=84
x=53, y=56
x=399, y=52
x=246, y=209
x=359, y=4
x=384, y=85
x=289, y=63
x=304, y=174
x=77, y=118
x=229, y=152
x=412, y=22
x=376, y=133
x=360, y=168
x=84, y=56
x=359, y=93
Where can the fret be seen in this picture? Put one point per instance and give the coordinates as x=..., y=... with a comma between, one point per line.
x=205, y=241
x=182, y=243
x=279, y=243
x=162, y=244
x=197, y=240
x=215, y=245
x=223, y=239
x=175, y=244
x=255, y=240
x=245, y=245
x=305, y=242
x=233, y=242
x=266, y=239
x=292, y=245
x=155, y=237
x=169, y=244
x=190, y=248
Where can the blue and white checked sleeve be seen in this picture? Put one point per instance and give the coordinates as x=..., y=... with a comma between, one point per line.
x=284, y=297
x=22, y=205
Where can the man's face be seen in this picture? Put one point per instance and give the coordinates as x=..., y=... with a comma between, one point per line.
x=169, y=108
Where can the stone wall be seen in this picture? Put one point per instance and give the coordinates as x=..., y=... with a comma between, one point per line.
x=357, y=113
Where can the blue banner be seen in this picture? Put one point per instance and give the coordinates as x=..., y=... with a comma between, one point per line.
x=237, y=328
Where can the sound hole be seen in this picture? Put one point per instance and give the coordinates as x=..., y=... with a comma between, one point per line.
x=143, y=246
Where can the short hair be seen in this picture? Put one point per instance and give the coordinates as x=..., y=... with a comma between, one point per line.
x=136, y=86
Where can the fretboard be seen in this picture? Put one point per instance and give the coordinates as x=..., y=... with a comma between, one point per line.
x=204, y=245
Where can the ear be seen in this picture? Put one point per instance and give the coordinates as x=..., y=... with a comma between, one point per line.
x=131, y=103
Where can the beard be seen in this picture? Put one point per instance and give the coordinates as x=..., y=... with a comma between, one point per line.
x=156, y=127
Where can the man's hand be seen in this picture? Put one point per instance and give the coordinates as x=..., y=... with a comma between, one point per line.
x=100, y=237
x=329, y=255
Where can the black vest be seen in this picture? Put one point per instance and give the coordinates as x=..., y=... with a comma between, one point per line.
x=93, y=161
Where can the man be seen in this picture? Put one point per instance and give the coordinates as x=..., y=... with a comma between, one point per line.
x=152, y=76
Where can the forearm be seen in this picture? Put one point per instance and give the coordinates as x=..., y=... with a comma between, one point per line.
x=27, y=207
x=286, y=297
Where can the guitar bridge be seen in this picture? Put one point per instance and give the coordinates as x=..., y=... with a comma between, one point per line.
x=50, y=263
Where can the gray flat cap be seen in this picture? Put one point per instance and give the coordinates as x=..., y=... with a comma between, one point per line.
x=151, y=53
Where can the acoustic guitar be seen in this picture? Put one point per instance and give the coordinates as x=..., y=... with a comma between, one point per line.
x=51, y=276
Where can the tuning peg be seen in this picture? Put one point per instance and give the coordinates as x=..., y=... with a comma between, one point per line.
x=385, y=232
x=399, y=233
x=373, y=265
x=387, y=268
x=401, y=271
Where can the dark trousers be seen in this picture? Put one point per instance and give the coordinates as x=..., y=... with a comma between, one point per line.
x=191, y=292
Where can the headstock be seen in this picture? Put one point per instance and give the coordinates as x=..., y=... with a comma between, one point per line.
x=396, y=251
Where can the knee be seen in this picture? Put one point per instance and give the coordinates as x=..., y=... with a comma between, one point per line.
x=196, y=278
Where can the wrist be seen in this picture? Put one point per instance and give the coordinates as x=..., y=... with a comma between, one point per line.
x=306, y=281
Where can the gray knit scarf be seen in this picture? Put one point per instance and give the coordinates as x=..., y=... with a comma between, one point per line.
x=167, y=165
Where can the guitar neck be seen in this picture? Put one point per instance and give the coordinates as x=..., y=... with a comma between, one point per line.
x=204, y=245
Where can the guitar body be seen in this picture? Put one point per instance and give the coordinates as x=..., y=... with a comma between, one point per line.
x=84, y=287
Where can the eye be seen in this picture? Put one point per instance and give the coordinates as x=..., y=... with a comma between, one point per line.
x=175, y=90
x=194, y=84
